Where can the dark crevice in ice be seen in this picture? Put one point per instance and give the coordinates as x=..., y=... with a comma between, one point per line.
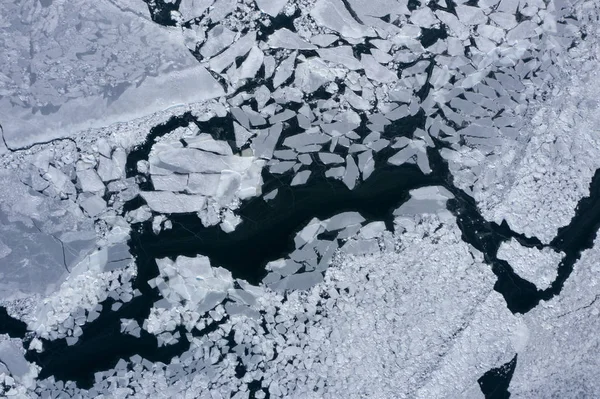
x=494, y=383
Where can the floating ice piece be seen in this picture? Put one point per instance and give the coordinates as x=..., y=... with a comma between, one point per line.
x=284, y=70
x=336, y=172
x=203, y=183
x=312, y=74
x=301, y=281
x=356, y=101
x=343, y=220
x=264, y=144
x=13, y=359
x=323, y=39
x=333, y=14
x=537, y=266
x=366, y=164
x=285, y=38
x=352, y=173
x=361, y=247
x=221, y=9
x=242, y=135
x=205, y=142
x=218, y=38
x=504, y=20
x=306, y=138
x=271, y=195
x=172, y=182
x=470, y=15
x=230, y=221
x=523, y=31
x=229, y=183
x=458, y=28
x=168, y=202
x=282, y=116
x=340, y=55
x=430, y=199
x=300, y=178
x=90, y=181
x=329, y=158
x=372, y=230
x=251, y=65
x=423, y=17
x=376, y=71
x=271, y=7
x=237, y=49
x=309, y=232
x=190, y=160
x=93, y=205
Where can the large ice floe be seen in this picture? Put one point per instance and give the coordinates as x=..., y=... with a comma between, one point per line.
x=299, y=199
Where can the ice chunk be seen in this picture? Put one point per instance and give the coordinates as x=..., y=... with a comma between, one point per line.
x=218, y=38
x=306, y=138
x=264, y=143
x=342, y=55
x=168, y=202
x=230, y=221
x=425, y=200
x=312, y=74
x=285, y=38
x=284, y=70
x=241, y=135
x=90, y=181
x=361, y=247
x=470, y=15
x=352, y=172
x=250, y=66
x=537, y=266
x=190, y=160
x=333, y=14
x=300, y=178
x=329, y=158
x=376, y=71
x=423, y=17
x=343, y=220
x=271, y=7
x=93, y=205
x=172, y=182
x=282, y=116
x=372, y=230
x=221, y=9
x=504, y=20
x=237, y=49
x=323, y=39
x=203, y=183
x=13, y=359
x=205, y=142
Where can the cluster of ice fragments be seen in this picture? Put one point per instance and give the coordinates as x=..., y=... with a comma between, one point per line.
x=341, y=83
x=200, y=174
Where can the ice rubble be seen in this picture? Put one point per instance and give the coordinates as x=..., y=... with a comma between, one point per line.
x=461, y=93
x=537, y=266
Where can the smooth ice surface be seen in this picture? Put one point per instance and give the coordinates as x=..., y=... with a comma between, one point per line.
x=117, y=66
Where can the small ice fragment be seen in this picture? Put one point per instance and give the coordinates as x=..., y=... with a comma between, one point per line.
x=330, y=158
x=300, y=178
